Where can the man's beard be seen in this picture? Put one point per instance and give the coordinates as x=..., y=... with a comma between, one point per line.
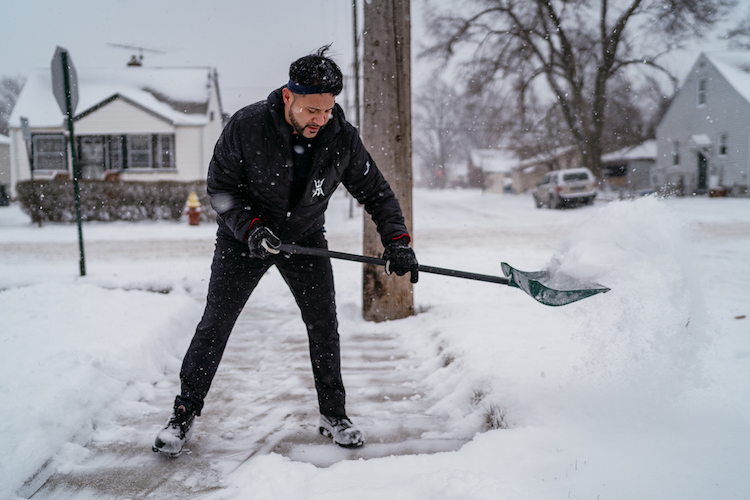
x=295, y=124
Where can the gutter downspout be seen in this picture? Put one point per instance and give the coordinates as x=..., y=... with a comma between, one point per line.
x=215, y=79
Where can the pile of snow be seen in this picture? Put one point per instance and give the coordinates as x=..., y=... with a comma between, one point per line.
x=71, y=351
x=654, y=326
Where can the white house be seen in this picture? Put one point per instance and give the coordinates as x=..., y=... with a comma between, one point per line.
x=628, y=171
x=4, y=168
x=496, y=167
x=530, y=171
x=704, y=138
x=133, y=123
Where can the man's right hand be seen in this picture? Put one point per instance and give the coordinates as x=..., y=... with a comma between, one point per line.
x=262, y=242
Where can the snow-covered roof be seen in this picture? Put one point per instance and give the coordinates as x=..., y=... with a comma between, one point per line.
x=643, y=151
x=734, y=66
x=700, y=139
x=547, y=157
x=178, y=95
x=494, y=160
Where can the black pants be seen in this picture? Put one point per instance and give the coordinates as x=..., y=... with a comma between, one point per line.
x=234, y=276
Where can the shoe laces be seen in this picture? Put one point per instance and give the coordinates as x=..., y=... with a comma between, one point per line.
x=342, y=422
x=180, y=417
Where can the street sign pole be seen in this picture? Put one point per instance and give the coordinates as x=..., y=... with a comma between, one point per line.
x=70, y=98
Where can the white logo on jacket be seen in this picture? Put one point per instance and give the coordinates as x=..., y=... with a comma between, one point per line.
x=318, y=188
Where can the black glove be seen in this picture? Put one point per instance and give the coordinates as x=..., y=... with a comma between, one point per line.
x=400, y=259
x=262, y=242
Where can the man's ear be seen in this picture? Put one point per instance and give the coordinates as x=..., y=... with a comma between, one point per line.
x=287, y=95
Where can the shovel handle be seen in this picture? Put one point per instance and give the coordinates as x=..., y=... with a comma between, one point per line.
x=322, y=252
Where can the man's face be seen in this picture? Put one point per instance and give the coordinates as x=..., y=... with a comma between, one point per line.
x=308, y=113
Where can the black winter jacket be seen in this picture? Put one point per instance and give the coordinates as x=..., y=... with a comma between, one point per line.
x=250, y=176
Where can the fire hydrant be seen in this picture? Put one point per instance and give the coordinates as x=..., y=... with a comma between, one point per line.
x=193, y=209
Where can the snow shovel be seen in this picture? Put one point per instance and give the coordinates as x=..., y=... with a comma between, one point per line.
x=550, y=289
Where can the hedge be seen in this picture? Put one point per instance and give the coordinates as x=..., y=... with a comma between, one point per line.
x=111, y=200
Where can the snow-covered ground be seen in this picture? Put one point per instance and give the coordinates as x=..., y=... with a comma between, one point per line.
x=638, y=393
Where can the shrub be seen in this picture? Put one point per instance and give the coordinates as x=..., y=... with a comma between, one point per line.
x=54, y=200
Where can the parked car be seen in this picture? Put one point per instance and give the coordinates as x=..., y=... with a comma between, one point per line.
x=570, y=187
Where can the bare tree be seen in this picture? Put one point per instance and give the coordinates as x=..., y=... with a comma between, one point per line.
x=541, y=132
x=739, y=36
x=448, y=124
x=632, y=111
x=566, y=54
x=10, y=88
x=437, y=142
x=485, y=117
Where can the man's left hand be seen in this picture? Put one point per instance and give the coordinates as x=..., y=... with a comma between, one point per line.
x=400, y=259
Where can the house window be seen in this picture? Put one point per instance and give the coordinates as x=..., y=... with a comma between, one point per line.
x=116, y=145
x=149, y=151
x=615, y=171
x=702, y=91
x=139, y=151
x=122, y=152
x=676, y=153
x=723, y=144
x=50, y=152
x=165, y=151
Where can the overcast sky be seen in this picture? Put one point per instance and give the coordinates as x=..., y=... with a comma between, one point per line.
x=250, y=42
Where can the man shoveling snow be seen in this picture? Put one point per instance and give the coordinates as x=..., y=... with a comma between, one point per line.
x=274, y=169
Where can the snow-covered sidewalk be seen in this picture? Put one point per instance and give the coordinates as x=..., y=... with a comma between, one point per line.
x=263, y=402
x=637, y=393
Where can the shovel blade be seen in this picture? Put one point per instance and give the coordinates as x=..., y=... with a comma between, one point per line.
x=550, y=290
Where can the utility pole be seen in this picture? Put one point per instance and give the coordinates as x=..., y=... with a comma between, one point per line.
x=386, y=130
x=355, y=70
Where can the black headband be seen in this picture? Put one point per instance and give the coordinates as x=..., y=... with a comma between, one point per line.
x=303, y=89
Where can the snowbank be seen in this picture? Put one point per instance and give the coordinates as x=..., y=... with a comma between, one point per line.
x=72, y=352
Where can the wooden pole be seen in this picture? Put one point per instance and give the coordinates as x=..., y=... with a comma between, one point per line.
x=357, y=93
x=357, y=103
x=386, y=131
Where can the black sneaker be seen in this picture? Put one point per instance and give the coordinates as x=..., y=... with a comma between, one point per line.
x=171, y=438
x=342, y=431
